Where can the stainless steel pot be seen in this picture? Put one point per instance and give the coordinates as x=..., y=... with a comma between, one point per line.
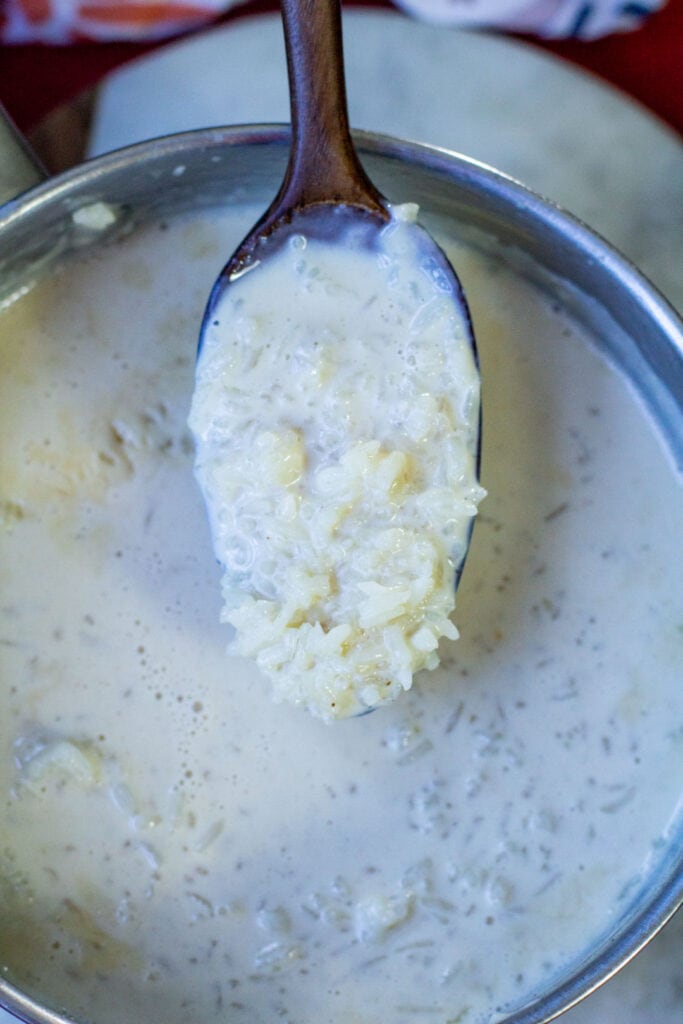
x=164, y=177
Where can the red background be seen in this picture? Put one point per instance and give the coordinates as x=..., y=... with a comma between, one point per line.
x=647, y=64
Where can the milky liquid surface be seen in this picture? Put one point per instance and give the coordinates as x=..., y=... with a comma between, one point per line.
x=175, y=847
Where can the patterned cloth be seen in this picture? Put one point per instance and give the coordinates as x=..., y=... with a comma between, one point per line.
x=66, y=21
x=551, y=19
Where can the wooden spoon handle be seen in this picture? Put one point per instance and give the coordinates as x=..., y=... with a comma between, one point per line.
x=323, y=165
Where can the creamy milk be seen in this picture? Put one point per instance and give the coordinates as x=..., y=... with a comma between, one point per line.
x=336, y=419
x=176, y=848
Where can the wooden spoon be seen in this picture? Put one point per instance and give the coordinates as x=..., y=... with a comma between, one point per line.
x=390, y=285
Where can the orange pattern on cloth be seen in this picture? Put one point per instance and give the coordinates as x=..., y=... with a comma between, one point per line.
x=139, y=13
x=37, y=11
x=66, y=21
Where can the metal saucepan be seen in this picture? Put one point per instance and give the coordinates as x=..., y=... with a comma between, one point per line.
x=37, y=227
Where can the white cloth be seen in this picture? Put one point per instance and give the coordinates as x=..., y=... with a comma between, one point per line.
x=585, y=19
